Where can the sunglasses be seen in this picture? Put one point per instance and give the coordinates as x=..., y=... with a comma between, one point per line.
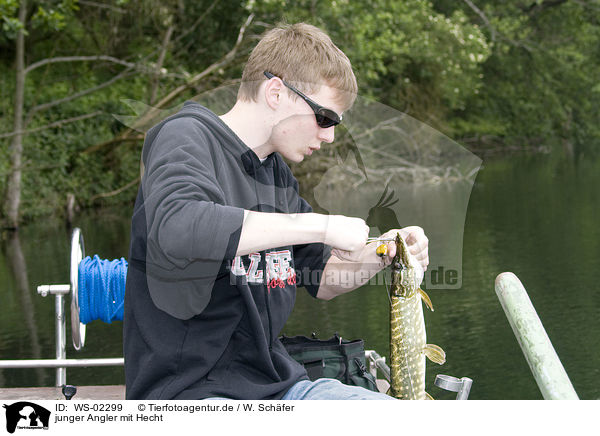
x=325, y=117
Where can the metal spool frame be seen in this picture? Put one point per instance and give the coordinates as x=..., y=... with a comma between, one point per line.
x=77, y=254
x=61, y=363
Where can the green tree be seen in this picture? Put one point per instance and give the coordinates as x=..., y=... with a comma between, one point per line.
x=71, y=59
x=405, y=53
x=507, y=74
x=540, y=84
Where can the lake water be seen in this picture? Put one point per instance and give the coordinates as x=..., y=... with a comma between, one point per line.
x=536, y=216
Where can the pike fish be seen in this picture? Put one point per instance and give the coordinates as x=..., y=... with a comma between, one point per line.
x=408, y=344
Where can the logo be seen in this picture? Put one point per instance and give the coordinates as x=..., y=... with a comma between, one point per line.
x=278, y=269
x=26, y=415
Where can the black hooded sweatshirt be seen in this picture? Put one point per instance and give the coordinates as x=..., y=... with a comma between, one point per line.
x=200, y=322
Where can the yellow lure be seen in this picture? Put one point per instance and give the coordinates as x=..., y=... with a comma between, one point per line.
x=381, y=250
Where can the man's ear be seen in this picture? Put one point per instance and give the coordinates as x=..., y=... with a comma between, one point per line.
x=273, y=90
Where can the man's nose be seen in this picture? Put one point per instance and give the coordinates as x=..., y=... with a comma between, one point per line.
x=327, y=135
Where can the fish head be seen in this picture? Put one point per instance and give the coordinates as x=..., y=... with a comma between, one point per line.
x=402, y=251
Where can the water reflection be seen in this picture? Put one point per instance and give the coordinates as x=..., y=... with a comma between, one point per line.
x=18, y=268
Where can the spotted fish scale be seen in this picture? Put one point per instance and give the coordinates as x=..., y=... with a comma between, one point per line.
x=408, y=340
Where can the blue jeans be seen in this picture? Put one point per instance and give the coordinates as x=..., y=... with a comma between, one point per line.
x=331, y=389
x=327, y=389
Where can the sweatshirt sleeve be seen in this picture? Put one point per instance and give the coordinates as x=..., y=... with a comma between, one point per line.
x=190, y=229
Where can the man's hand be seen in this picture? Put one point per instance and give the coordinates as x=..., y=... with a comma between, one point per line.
x=415, y=239
x=347, y=235
x=349, y=269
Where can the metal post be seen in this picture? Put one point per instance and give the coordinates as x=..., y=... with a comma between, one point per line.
x=61, y=339
x=60, y=325
x=462, y=386
x=376, y=362
x=545, y=365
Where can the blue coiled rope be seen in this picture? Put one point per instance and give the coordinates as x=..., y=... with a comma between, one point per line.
x=101, y=290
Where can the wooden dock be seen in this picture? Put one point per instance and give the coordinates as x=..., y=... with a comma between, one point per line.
x=112, y=392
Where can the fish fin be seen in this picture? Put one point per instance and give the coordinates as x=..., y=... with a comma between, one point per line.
x=435, y=353
x=428, y=397
x=426, y=299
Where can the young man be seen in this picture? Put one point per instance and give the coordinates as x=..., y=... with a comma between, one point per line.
x=220, y=237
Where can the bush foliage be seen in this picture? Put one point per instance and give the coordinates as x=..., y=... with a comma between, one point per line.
x=486, y=73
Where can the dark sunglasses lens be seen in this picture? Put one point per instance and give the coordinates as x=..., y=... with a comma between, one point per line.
x=327, y=118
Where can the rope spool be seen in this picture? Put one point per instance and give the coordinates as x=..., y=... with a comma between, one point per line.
x=97, y=289
x=101, y=289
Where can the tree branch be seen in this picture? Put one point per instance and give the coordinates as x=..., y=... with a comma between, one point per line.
x=51, y=125
x=117, y=140
x=159, y=63
x=595, y=7
x=483, y=17
x=124, y=137
x=78, y=59
x=197, y=22
x=138, y=66
x=537, y=7
x=102, y=6
x=116, y=191
x=77, y=95
x=211, y=68
x=494, y=33
x=192, y=82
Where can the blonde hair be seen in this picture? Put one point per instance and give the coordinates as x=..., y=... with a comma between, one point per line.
x=304, y=56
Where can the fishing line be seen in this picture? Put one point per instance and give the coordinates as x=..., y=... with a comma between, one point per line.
x=101, y=289
x=387, y=289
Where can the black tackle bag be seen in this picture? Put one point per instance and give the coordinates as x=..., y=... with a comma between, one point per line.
x=332, y=358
